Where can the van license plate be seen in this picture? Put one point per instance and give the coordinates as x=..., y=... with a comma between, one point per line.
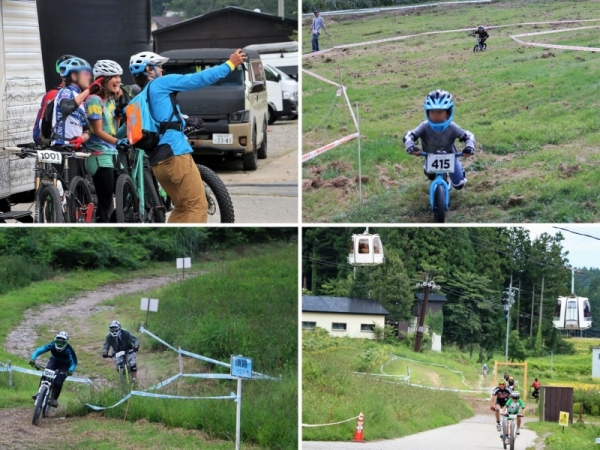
x=223, y=139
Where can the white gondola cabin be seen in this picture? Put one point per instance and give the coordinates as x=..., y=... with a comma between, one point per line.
x=572, y=313
x=366, y=250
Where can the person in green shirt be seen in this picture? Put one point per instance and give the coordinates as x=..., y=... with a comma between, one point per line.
x=104, y=123
x=515, y=405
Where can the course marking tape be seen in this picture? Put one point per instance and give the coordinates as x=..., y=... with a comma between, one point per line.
x=231, y=396
x=556, y=46
x=328, y=424
x=319, y=77
x=391, y=8
x=39, y=374
x=314, y=153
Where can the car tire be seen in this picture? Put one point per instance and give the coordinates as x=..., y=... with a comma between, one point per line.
x=250, y=160
x=272, y=117
x=262, y=150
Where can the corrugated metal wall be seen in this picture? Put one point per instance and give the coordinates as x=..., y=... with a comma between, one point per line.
x=22, y=85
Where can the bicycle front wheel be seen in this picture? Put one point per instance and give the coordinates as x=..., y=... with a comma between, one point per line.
x=127, y=203
x=39, y=402
x=81, y=203
x=439, y=205
x=220, y=207
x=155, y=211
x=513, y=434
x=49, y=206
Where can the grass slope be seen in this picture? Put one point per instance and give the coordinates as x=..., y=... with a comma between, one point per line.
x=331, y=393
x=244, y=302
x=531, y=110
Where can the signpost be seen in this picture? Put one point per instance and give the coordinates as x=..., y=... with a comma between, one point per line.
x=241, y=368
x=563, y=420
x=184, y=263
x=149, y=304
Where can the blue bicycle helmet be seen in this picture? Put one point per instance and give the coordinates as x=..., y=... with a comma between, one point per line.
x=73, y=65
x=439, y=99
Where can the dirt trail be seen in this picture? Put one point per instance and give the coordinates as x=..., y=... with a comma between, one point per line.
x=22, y=339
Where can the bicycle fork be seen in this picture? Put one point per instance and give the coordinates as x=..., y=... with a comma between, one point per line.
x=439, y=181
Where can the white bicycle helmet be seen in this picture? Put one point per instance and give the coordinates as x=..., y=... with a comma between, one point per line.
x=107, y=68
x=139, y=61
x=61, y=340
x=115, y=328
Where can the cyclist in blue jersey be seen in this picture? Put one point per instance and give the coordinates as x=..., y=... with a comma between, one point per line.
x=69, y=123
x=63, y=359
x=172, y=161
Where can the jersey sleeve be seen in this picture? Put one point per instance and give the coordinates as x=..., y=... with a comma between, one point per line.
x=41, y=350
x=93, y=108
x=413, y=135
x=106, y=345
x=198, y=80
x=464, y=136
x=73, y=359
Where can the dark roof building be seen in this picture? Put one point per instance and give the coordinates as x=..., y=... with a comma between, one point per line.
x=434, y=304
x=165, y=21
x=342, y=305
x=229, y=27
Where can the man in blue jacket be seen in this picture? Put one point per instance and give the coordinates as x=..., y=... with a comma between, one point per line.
x=63, y=359
x=171, y=161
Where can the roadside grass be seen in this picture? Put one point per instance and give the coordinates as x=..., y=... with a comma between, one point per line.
x=530, y=109
x=575, y=436
x=244, y=301
x=331, y=393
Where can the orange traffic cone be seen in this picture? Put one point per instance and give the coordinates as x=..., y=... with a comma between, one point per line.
x=359, y=434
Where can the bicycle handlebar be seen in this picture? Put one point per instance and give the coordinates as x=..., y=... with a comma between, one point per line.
x=458, y=155
x=33, y=152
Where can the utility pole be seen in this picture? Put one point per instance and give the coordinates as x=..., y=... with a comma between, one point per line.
x=427, y=287
x=541, y=305
x=519, y=304
x=531, y=317
x=280, y=9
x=508, y=302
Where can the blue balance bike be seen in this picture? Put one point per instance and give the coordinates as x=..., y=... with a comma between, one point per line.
x=442, y=164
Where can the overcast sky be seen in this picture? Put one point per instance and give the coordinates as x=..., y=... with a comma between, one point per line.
x=583, y=251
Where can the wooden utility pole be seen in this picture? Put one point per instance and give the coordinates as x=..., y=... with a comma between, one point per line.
x=531, y=317
x=541, y=305
x=519, y=304
x=427, y=287
x=313, y=264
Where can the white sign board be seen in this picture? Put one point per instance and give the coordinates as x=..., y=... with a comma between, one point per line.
x=184, y=263
x=241, y=367
x=149, y=304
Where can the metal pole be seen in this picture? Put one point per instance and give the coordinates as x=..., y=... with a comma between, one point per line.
x=508, y=318
x=147, y=312
x=9, y=374
x=238, y=418
x=551, y=360
x=359, y=163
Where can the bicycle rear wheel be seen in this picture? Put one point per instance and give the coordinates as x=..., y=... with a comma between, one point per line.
x=39, y=401
x=155, y=211
x=81, y=203
x=50, y=206
x=127, y=203
x=513, y=434
x=220, y=207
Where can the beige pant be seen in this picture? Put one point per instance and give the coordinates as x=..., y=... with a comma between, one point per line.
x=181, y=179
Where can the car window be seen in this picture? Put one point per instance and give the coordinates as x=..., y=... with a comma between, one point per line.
x=270, y=76
x=257, y=71
x=235, y=78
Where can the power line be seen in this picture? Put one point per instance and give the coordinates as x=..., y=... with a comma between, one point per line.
x=580, y=234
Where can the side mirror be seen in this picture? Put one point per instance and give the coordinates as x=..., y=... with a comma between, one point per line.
x=257, y=86
x=278, y=78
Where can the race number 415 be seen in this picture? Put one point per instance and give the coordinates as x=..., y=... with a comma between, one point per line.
x=440, y=163
x=49, y=156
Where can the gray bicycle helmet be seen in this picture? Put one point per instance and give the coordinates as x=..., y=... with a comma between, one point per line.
x=115, y=328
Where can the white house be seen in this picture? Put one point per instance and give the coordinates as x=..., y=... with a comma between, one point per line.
x=343, y=316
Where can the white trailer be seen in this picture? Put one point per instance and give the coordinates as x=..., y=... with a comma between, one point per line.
x=21, y=88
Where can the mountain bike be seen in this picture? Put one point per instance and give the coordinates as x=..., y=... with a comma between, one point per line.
x=44, y=393
x=442, y=164
x=508, y=427
x=136, y=195
x=122, y=367
x=480, y=46
x=57, y=198
x=536, y=394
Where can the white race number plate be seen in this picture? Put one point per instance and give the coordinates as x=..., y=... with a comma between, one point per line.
x=440, y=163
x=48, y=156
x=226, y=139
x=118, y=355
x=48, y=373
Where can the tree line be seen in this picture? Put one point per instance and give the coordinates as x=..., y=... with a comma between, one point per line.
x=193, y=8
x=473, y=266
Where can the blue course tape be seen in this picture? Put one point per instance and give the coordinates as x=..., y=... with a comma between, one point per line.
x=164, y=383
x=4, y=368
x=231, y=396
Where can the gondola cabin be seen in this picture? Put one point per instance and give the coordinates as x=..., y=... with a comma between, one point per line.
x=366, y=250
x=572, y=313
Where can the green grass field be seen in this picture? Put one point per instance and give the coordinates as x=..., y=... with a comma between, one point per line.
x=532, y=110
x=223, y=311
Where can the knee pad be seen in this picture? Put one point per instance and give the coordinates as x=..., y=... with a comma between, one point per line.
x=133, y=367
x=462, y=183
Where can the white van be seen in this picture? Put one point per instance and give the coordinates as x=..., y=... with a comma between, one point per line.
x=282, y=95
x=282, y=55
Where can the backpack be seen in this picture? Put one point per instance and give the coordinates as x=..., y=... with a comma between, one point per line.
x=143, y=131
x=42, y=129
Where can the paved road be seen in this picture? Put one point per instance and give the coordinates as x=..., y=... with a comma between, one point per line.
x=476, y=433
x=268, y=194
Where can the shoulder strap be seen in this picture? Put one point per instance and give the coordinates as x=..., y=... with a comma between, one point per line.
x=164, y=126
